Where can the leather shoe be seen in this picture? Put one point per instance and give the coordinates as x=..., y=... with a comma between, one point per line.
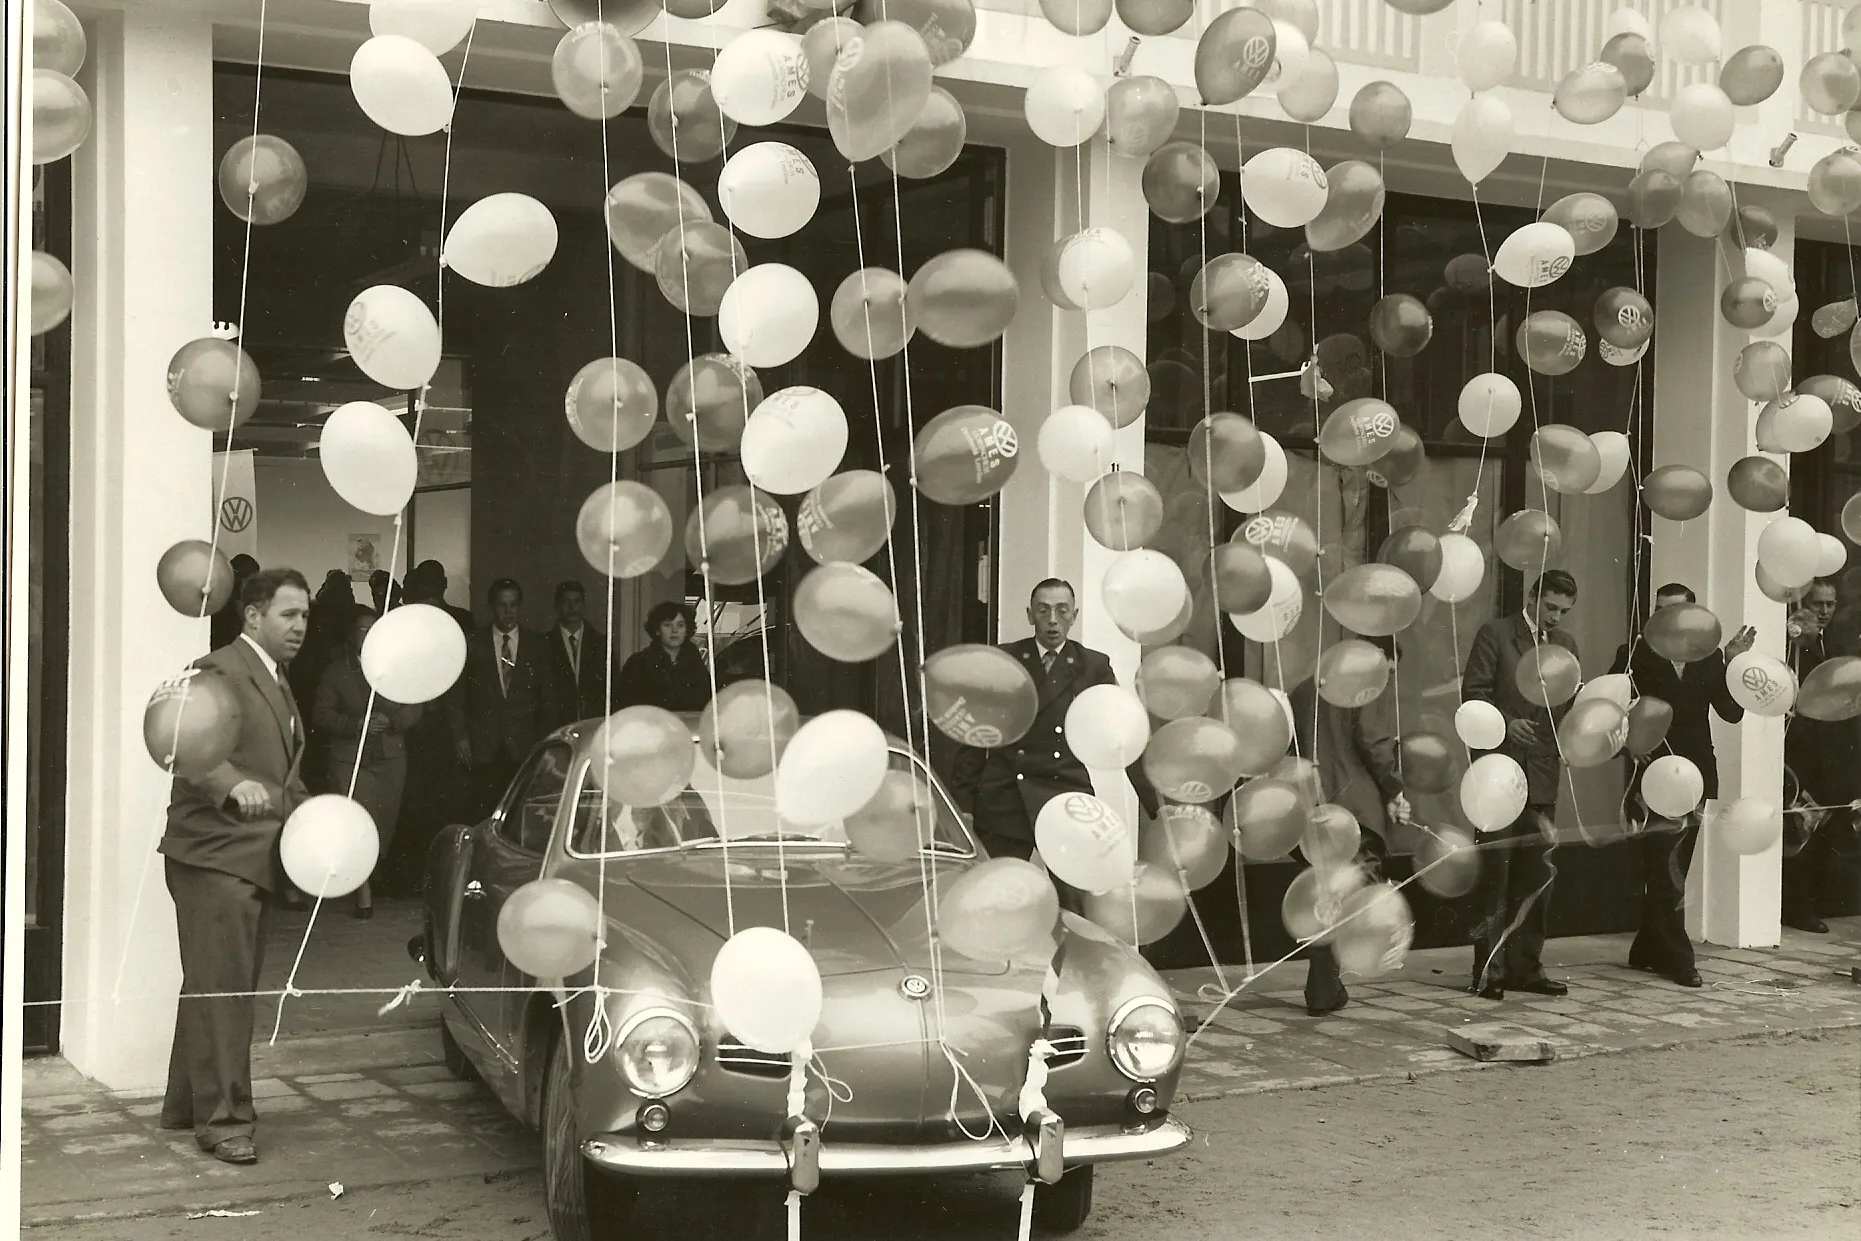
x=1541, y=986
x=1687, y=978
x=1325, y=1010
x=236, y=1150
x=1492, y=991
x=1810, y=923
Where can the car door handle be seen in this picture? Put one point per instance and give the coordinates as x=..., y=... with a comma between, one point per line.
x=474, y=890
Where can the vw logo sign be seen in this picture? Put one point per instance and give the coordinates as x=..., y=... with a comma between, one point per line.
x=914, y=987
x=235, y=513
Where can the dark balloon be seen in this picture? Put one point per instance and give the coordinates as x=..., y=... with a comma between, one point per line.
x=980, y=695
x=710, y=400
x=1841, y=395
x=1284, y=535
x=1630, y=53
x=737, y=534
x=1648, y=721
x=1676, y=159
x=1677, y=492
x=1181, y=182
x=1832, y=690
x=1758, y=485
x=1233, y=56
x=195, y=578
x=1683, y=632
x=1123, y=510
x=1624, y=317
x=965, y=455
x=1157, y=17
x=1225, y=451
x=1653, y=198
x=1414, y=550
x=1404, y=460
x=1242, y=581
x=1400, y=325
x=1752, y=228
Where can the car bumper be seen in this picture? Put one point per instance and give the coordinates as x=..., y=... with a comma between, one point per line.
x=690, y=1157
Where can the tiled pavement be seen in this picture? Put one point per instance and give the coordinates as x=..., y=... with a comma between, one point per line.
x=348, y=1097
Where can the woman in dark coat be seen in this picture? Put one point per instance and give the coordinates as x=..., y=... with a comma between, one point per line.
x=668, y=672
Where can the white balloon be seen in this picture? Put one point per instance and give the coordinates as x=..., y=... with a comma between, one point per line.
x=437, y=25
x=1788, y=550
x=1284, y=187
x=1672, y=786
x=1834, y=555
x=1310, y=95
x=1076, y=443
x=794, y=440
x=832, y=767
x=1143, y=590
x=1612, y=447
x=368, y=457
x=1690, y=35
x=1264, y=492
x=1628, y=21
x=1488, y=54
x=1065, y=105
x=760, y=77
x=1621, y=357
x=1616, y=687
x=769, y=189
x=52, y=292
x=1761, y=684
x=1702, y=116
x=1097, y=268
x=1482, y=136
x=1535, y=255
x=501, y=240
x=392, y=336
x=1292, y=52
x=329, y=845
x=1107, y=727
x=1278, y=616
x=1748, y=826
x=1772, y=270
x=1490, y=404
x=1783, y=320
x=1085, y=843
x=401, y=86
x=1493, y=792
x=767, y=990
x=414, y=653
x=1479, y=725
x=768, y=315
x=1795, y=422
x=1272, y=314
x=1463, y=568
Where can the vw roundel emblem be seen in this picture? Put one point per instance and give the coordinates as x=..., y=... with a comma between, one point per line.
x=914, y=987
x=235, y=513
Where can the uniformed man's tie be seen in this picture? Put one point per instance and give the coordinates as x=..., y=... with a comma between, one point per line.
x=505, y=662
x=1046, y=661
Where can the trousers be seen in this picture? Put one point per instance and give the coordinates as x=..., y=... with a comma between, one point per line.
x=1514, y=886
x=1661, y=942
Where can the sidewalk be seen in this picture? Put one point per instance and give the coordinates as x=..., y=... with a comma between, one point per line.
x=347, y=1097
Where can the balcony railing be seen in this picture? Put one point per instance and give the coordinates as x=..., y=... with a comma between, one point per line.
x=1556, y=36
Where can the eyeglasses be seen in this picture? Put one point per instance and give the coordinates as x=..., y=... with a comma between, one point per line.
x=1059, y=611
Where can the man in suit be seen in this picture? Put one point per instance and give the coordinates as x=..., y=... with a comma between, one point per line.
x=1515, y=880
x=579, y=658
x=505, y=701
x=1692, y=690
x=220, y=853
x=426, y=583
x=1825, y=756
x=1005, y=787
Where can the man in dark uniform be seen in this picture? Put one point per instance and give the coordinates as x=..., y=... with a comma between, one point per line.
x=1692, y=690
x=505, y=700
x=1515, y=878
x=1825, y=757
x=1005, y=788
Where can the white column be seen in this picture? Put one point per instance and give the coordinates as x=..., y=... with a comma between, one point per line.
x=1701, y=419
x=143, y=262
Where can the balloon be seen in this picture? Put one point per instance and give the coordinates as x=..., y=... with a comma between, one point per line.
x=1676, y=492
x=1528, y=540
x=1358, y=432
x=1705, y=203
x=1419, y=8
x=766, y=989
x=1835, y=183
x=947, y=27
x=1332, y=837
x=1770, y=269
x=1761, y=684
x=1648, y=721
x=1762, y=370
x=769, y=189
x=1788, y=550
x=392, y=336
x=1096, y=268
x=1270, y=817
x=1590, y=219
x=643, y=756
x=1414, y=550
x=1746, y=302
x=1265, y=491
x=1488, y=54
x=1123, y=510
x=1564, y=459
x=1313, y=91
x=832, y=767
x=1616, y=687
x=1463, y=567
x=794, y=440
x=1748, y=826
x=1702, y=116
x=1153, y=17
x=1482, y=136
x=1402, y=462
x=1233, y=56
x=736, y=535
x=192, y=722
x=1758, y=485
x=848, y=517
x=1777, y=594
x=982, y=696
x=759, y=77
x=1285, y=537
x=437, y=25
x=329, y=847
x=963, y=298
x=933, y=142
x=1754, y=228
x=1229, y=292
x=1672, y=786
x=1065, y=105
x=1291, y=52
x=1314, y=903
x=745, y=728
x=1375, y=931
x=869, y=314
x=1272, y=315
x=1181, y=182
x=1353, y=205
x=1374, y=599
x=368, y=458
x=1752, y=75
x=1796, y=423
x=1490, y=404
x=195, y=578
x=1621, y=357
x=1261, y=722
x=597, y=71
x=1075, y=443
x=1493, y=792
x=1591, y=94
x=1535, y=255
x=887, y=828
x=1480, y=725
x=1653, y=198
x=1143, y=911
x=1085, y=843
x=965, y=455
x=1831, y=84
x=52, y=292
x=624, y=530
x=1841, y=396
x=1592, y=733
x=879, y=86
x=262, y=179
x=413, y=654
x=1352, y=673
x=821, y=45
x=1834, y=555
x=1112, y=380
x=1633, y=57
x=1612, y=450
x=1106, y=726
x=1143, y=589
x=710, y=399
x=643, y=208
x=1851, y=519
x=1832, y=690
x=1400, y=325
x=1834, y=319
x=401, y=86
x=1551, y=342
x=1140, y=114
x=501, y=240
x=1002, y=909
x=1188, y=842
x=1690, y=35
x=58, y=40
x=1380, y=115
x=1278, y=616
x=1548, y=675
x=1284, y=187
x=1446, y=862
x=1176, y=681
x=768, y=315
x=611, y=405
x=214, y=384
x=685, y=121
x=1225, y=451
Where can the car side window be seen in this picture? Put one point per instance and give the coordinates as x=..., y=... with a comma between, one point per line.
x=530, y=815
x=603, y=825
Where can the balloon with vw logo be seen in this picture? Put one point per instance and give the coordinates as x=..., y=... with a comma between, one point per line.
x=1358, y=432
x=1234, y=55
x=980, y=695
x=965, y=455
x=1085, y=843
x=1624, y=317
x=1761, y=684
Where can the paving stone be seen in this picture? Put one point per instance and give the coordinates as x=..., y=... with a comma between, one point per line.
x=347, y=1088
x=417, y=1128
x=418, y=1073
x=273, y=1087
x=86, y=1122
x=106, y=1143
x=376, y=1107
x=286, y=1105
x=58, y=1105
x=320, y=1078
x=448, y=1089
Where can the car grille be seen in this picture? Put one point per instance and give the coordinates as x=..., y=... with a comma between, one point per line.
x=1069, y=1046
x=734, y=1057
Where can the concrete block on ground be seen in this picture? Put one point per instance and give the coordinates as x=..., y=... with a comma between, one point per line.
x=1498, y=1040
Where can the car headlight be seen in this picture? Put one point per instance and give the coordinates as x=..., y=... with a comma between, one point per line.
x=1145, y=1039
x=658, y=1053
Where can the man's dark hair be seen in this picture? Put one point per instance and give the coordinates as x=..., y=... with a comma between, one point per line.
x=664, y=611
x=1822, y=583
x=570, y=587
x=244, y=566
x=504, y=583
x=257, y=591
x=1045, y=583
x=1677, y=588
x=1555, y=582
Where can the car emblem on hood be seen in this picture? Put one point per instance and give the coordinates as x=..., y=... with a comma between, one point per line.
x=914, y=987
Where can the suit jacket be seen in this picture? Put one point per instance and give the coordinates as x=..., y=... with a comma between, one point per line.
x=342, y=701
x=203, y=829
x=1006, y=786
x=583, y=697
x=1357, y=759
x=1492, y=676
x=1700, y=687
x=1824, y=754
x=496, y=721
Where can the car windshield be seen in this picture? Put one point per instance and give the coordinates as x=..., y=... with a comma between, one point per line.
x=715, y=809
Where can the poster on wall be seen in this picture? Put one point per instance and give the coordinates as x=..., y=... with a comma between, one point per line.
x=364, y=556
x=236, y=506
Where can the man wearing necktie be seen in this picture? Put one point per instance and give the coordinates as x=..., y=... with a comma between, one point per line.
x=220, y=853
x=579, y=660
x=1004, y=788
x=505, y=700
